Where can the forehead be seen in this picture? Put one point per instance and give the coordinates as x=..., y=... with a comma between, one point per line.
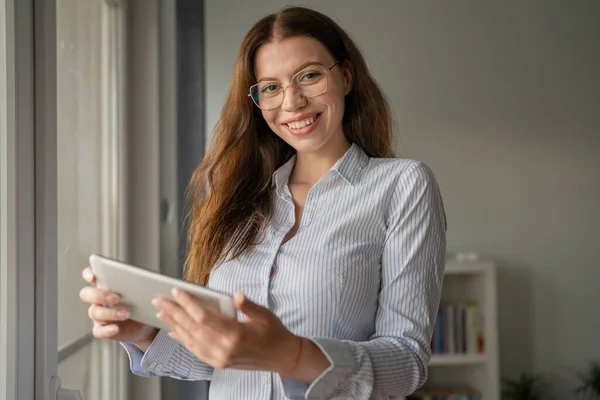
x=282, y=58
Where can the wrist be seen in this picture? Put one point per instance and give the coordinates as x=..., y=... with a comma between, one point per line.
x=293, y=359
x=144, y=343
x=311, y=363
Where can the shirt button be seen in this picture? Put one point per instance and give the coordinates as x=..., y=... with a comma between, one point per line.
x=265, y=378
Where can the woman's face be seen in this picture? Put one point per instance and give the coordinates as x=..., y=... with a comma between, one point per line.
x=308, y=124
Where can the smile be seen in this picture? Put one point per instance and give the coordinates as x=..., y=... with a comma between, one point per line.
x=303, y=123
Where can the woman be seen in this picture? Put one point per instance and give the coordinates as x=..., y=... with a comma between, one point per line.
x=335, y=250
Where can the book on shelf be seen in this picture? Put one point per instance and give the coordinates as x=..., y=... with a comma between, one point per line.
x=446, y=393
x=458, y=329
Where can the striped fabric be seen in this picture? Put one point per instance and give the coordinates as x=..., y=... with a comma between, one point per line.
x=361, y=278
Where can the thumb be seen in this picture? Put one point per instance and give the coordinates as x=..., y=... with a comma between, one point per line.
x=251, y=309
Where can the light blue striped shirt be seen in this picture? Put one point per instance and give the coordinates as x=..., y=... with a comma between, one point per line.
x=361, y=278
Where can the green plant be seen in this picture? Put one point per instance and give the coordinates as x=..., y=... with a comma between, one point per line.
x=526, y=387
x=590, y=381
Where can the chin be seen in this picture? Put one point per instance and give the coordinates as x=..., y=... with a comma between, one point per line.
x=308, y=145
x=305, y=147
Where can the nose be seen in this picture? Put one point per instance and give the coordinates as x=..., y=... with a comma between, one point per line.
x=292, y=99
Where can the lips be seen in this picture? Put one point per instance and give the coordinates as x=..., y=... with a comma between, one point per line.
x=303, y=127
x=303, y=123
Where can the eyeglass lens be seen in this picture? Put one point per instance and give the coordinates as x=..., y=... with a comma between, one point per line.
x=310, y=82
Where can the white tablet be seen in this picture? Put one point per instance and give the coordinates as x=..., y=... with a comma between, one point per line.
x=137, y=287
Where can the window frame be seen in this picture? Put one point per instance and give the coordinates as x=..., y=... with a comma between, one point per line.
x=17, y=206
x=28, y=183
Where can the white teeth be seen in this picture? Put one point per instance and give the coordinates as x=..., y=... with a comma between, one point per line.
x=302, y=124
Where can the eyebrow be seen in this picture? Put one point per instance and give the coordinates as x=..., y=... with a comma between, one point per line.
x=306, y=64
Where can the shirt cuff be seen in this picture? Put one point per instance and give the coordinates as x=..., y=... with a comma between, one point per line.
x=158, y=357
x=135, y=360
x=294, y=389
x=342, y=365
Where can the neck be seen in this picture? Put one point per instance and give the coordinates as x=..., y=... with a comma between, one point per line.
x=310, y=167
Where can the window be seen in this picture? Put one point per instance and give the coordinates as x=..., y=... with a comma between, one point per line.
x=61, y=191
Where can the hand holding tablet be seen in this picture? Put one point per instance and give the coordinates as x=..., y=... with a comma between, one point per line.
x=110, y=321
x=137, y=288
x=202, y=320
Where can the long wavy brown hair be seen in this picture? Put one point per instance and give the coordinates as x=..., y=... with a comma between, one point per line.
x=229, y=194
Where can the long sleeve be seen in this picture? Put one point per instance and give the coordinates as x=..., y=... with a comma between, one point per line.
x=394, y=360
x=167, y=357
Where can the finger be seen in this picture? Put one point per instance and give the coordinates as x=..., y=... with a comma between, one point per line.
x=105, y=331
x=191, y=305
x=175, y=312
x=185, y=337
x=177, y=331
x=201, y=346
x=206, y=316
x=88, y=275
x=251, y=309
x=164, y=317
x=92, y=295
x=105, y=314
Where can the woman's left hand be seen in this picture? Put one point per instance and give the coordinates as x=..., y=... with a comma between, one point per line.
x=260, y=342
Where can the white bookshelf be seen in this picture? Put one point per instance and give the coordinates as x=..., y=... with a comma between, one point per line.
x=449, y=360
x=473, y=282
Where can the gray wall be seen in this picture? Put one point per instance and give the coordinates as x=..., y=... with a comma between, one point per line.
x=501, y=100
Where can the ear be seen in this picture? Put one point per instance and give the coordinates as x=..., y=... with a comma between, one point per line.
x=348, y=81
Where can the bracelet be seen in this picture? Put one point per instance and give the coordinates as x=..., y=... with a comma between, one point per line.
x=297, y=360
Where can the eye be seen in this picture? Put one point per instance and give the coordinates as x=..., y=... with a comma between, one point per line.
x=269, y=88
x=309, y=76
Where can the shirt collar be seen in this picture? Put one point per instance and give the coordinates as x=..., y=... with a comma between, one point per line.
x=350, y=167
x=352, y=164
x=281, y=175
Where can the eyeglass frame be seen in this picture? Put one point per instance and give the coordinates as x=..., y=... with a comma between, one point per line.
x=284, y=88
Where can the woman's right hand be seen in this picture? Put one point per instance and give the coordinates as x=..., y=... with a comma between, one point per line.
x=113, y=322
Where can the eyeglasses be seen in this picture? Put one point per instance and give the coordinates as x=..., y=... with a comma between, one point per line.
x=310, y=82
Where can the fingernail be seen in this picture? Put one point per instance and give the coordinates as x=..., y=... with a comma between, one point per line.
x=112, y=329
x=159, y=315
x=155, y=302
x=176, y=292
x=123, y=314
